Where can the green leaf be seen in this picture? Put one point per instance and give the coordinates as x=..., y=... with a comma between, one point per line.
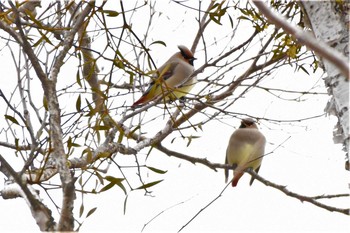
x=122, y=187
x=78, y=78
x=121, y=135
x=131, y=77
x=17, y=143
x=99, y=177
x=110, y=13
x=12, y=119
x=243, y=17
x=81, y=211
x=91, y=211
x=292, y=51
x=71, y=144
x=108, y=186
x=156, y=170
x=45, y=103
x=213, y=18
x=88, y=153
x=101, y=127
x=158, y=42
x=279, y=35
x=231, y=21
x=149, y=152
x=78, y=104
x=214, y=6
x=148, y=185
x=126, y=198
x=303, y=69
x=116, y=181
x=105, y=154
x=91, y=111
x=190, y=138
x=134, y=130
x=244, y=11
x=44, y=37
x=119, y=63
x=98, y=136
x=100, y=93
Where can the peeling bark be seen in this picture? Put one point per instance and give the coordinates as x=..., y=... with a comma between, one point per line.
x=329, y=22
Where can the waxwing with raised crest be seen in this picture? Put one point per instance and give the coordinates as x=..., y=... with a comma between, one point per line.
x=172, y=80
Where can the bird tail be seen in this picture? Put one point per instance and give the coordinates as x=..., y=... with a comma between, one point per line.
x=142, y=100
x=236, y=178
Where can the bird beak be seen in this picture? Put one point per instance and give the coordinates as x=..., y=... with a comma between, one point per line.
x=191, y=60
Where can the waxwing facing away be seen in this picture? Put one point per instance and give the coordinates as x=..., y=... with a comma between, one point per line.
x=245, y=149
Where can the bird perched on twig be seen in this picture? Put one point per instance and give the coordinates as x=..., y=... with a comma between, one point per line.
x=245, y=149
x=172, y=80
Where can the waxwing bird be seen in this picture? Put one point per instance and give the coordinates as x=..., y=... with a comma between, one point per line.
x=245, y=150
x=173, y=79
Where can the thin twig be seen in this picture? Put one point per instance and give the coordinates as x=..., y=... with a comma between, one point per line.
x=163, y=211
x=302, y=198
x=205, y=207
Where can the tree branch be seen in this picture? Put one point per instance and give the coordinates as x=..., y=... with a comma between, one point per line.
x=216, y=98
x=282, y=188
x=302, y=198
x=304, y=38
x=40, y=212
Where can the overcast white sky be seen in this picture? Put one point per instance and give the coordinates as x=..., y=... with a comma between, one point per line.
x=308, y=162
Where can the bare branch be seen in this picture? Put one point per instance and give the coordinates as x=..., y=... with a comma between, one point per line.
x=214, y=166
x=302, y=198
x=206, y=206
x=90, y=68
x=214, y=99
x=202, y=25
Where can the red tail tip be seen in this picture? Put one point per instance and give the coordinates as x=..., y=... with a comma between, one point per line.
x=234, y=183
x=236, y=178
x=139, y=101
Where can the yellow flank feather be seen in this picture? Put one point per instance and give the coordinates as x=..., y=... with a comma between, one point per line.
x=183, y=90
x=242, y=154
x=244, y=157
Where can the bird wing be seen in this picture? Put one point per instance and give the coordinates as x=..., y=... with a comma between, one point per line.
x=162, y=74
x=252, y=179
x=166, y=70
x=226, y=170
x=259, y=153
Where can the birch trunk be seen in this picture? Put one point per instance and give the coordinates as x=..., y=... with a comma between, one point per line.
x=330, y=22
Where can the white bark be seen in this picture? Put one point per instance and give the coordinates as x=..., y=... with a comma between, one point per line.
x=13, y=190
x=331, y=24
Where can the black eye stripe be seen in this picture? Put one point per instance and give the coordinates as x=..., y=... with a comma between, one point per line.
x=186, y=56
